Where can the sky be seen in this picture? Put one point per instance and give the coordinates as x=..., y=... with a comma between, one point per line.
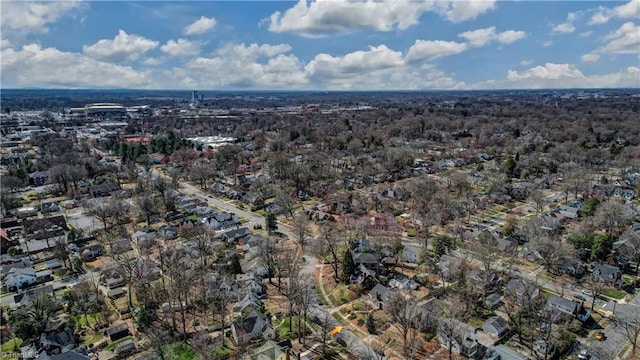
x=320, y=44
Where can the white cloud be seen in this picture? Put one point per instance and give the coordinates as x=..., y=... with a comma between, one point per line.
x=547, y=43
x=181, y=47
x=33, y=17
x=268, y=66
x=425, y=50
x=200, y=26
x=458, y=11
x=586, y=33
x=481, y=37
x=239, y=66
x=253, y=51
x=123, y=47
x=564, y=28
x=590, y=58
x=625, y=11
x=625, y=40
x=318, y=17
x=321, y=17
x=36, y=66
x=5, y=44
x=152, y=61
x=567, y=26
x=562, y=76
x=357, y=62
x=526, y=62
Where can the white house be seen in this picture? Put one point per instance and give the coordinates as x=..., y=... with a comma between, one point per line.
x=18, y=278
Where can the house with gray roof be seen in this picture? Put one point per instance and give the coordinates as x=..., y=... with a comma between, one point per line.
x=254, y=326
x=557, y=307
x=495, y=326
x=611, y=275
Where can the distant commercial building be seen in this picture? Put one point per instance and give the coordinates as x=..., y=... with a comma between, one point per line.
x=105, y=110
x=196, y=97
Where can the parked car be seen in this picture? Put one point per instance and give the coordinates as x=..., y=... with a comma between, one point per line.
x=584, y=354
x=580, y=297
x=600, y=336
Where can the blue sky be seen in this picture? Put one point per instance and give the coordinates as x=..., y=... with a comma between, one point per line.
x=320, y=44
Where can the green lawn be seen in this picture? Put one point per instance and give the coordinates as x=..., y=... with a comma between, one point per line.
x=179, y=351
x=9, y=345
x=546, y=292
x=613, y=293
x=321, y=296
x=283, y=328
x=90, y=318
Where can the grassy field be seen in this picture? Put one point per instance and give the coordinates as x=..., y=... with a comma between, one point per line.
x=9, y=345
x=613, y=293
x=179, y=351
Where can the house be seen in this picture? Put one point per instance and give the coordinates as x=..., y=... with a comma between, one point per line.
x=369, y=260
x=460, y=337
x=49, y=207
x=47, y=228
x=43, y=276
x=254, y=326
x=250, y=300
x=168, y=232
x=522, y=290
x=450, y=266
x=410, y=254
x=361, y=245
x=502, y=352
x=362, y=273
x=124, y=348
x=608, y=274
x=495, y=326
x=7, y=241
x=120, y=246
x=543, y=347
x=271, y=350
x=38, y=178
x=143, y=239
x=235, y=234
x=492, y=301
x=26, y=297
x=557, y=306
x=79, y=353
x=623, y=193
x=20, y=278
x=51, y=344
x=111, y=279
x=402, y=282
x=117, y=331
x=103, y=190
x=52, y=264
x=571, y=211
x=507, y=245
x=90, y=252
x=571, y=266
x=115, y=293
x=378, y=295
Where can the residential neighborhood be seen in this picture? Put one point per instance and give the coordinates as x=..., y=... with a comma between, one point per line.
x=430, y=226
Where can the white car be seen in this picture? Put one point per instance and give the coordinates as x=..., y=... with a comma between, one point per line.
x=584, y=354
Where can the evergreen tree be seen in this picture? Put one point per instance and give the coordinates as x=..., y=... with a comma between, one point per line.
x=371, y=325
x=271, y=223
x=348, y=266
x=234, y=267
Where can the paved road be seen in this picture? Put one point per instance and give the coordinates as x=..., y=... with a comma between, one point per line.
x=355, y=345
x=196, y=192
